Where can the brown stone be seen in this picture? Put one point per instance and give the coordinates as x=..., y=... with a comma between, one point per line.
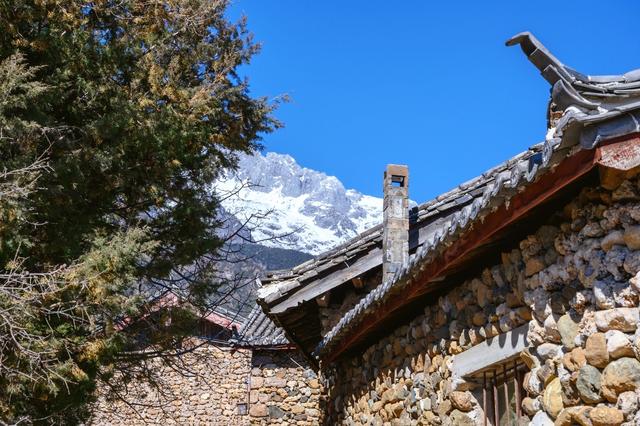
x=462, y=401
x=483, y=294
x=596, y=350
x=530, y=361
x=574, y=360
x=623, y=319
x=512, y=300
x=461, y=419
x=275, y=382
x=632, y=237
x=620, y=376
x=444, y=407
x=530, y=405
x=533, y=266
x=524, y=312
x=574, y=416
x=259, y=410
x=256, y=382
x=565, y=418
x=552, y=398
x=547, y=372
x=606, y=416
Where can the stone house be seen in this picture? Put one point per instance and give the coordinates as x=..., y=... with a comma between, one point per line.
x=512, y=299
x=234, y=373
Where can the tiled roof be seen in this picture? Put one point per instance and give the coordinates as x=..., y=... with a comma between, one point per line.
x=429, y=217
x=593, y=108
x=260, y=331
x=578, y=101
x=573, y=91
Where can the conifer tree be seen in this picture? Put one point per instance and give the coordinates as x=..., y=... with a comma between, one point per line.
x=115, y=117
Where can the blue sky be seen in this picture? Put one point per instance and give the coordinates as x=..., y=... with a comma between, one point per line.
x=411, y=82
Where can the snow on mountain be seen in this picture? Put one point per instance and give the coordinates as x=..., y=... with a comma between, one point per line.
x=312, y=211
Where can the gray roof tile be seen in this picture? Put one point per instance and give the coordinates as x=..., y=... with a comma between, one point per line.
x=260, y=331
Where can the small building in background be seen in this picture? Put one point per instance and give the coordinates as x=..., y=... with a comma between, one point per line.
x=232, y=371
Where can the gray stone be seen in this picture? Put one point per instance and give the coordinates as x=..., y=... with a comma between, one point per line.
x=628, y=404
x=541, y=419
x=568, y=331
x=603, y=293
x=459, y=418
x=551, y=329
x=611, y=239
x=276, y=412
x=589, y=384
x=549, y=351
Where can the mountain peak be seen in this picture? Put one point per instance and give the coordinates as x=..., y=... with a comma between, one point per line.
x=312, y=209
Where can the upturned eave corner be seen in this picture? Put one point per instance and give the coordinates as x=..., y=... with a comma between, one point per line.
x=575, y=94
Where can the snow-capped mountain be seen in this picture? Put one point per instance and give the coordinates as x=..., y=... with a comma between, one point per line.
x=305, y=209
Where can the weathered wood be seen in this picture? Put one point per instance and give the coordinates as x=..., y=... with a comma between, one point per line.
x=492, y=351
x=357, y=282
x=619, y=162
x=505, y=386
x=496, y=405
x=360, y=266
x=624, y=155
x=485, y=407
x=324, y=300
x=516, y=386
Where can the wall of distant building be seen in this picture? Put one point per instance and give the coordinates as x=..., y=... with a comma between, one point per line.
x=214, y=385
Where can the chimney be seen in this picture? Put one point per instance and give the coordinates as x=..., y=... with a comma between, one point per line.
x=395, y=210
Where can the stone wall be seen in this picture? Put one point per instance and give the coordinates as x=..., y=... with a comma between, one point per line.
x=573, y=282
x=283, y=390
x=213, y=384
x=204, y=389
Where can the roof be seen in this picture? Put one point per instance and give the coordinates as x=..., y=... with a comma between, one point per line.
x=260, y=331
x=583, y=111
x=568, y=85
x=591, y=95
x=218, y=315
x=426, y=220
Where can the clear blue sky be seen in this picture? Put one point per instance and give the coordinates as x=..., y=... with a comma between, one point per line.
x=431, y=86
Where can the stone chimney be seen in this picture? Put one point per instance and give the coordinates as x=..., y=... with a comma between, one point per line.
x=395, y=234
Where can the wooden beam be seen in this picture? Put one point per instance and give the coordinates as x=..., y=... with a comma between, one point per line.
x=357, y=282
x=324, y=300
x=619, y=162
x=321, y=286
x=567, y=172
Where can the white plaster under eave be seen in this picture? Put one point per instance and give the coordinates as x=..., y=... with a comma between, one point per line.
x=498, y=349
